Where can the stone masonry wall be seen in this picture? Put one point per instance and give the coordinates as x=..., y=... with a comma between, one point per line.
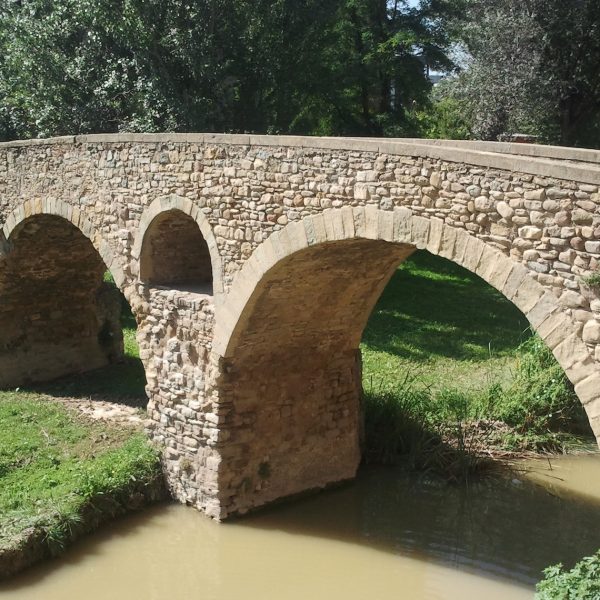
x=542, y=213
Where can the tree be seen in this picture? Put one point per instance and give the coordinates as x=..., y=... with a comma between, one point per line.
x=80, y=65
x=533, y=67
x=281, y=66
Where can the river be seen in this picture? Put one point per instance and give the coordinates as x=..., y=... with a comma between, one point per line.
x=387, y=535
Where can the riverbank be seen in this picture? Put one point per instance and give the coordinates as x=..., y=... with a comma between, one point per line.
x=385, y=535
x=66, y=467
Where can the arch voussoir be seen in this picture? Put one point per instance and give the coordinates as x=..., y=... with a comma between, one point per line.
x=315, y=230
x=420, y=232
x=403, y=225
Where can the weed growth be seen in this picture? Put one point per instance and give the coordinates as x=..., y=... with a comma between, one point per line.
x=582, y=582
x=592, y=281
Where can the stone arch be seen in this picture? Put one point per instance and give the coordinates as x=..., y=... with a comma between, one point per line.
x=401, y=229
x=73, y=214
x=57, y=316
x=182, y=212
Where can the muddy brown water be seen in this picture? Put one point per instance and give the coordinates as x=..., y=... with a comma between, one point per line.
x=385, y=536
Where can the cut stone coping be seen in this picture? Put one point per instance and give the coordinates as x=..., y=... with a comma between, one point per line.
x=555, y=162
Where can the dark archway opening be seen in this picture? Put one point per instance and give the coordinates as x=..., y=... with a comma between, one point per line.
x=63, y=319
x=176, y=255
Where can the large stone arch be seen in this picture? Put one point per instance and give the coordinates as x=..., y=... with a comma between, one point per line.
x=250, y=339
x=164, y=205
x=57, y=314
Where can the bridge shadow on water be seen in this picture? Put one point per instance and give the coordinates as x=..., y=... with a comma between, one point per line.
x=503, y=527
x=507, y=529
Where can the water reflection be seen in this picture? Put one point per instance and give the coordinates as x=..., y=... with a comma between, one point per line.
x=511, y=527
x=387, y=535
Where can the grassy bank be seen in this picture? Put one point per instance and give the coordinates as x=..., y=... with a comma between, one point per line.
x=61, y=474
x=451, y=372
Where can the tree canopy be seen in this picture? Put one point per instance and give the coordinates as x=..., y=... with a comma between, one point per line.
x=341, y=67
x=298, y=66
x=532, y=67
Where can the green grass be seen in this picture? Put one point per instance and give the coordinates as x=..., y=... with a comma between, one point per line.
x=444, y=353
x=443, y=324
x=54, y=464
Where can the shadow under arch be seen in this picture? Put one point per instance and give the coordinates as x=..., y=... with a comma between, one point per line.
x=289, y=330
x=176, y=248
x=57, y=314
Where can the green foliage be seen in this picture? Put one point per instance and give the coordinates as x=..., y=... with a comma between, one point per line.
x=445, y=119
x=271, y=66
x=582, y=582
x=53, y=464
x=395, y=425
x=532, y=68
x=540, y=398
x=422, y=429
x=592, y=281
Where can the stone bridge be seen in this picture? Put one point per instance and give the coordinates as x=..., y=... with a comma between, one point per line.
x=252, y=264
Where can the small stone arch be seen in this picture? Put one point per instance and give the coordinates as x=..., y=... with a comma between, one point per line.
x=400, y=226
x=174, y=225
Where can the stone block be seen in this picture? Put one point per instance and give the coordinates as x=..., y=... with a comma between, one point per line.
x=570, y=351
x=528, y=294
x=530, y=233
x=420, y=232
x=592, y=247
x=402, y=225
x=473, y=253
x=588, y=391
x=514, y=280
x=542, y=309
x=591, y=332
